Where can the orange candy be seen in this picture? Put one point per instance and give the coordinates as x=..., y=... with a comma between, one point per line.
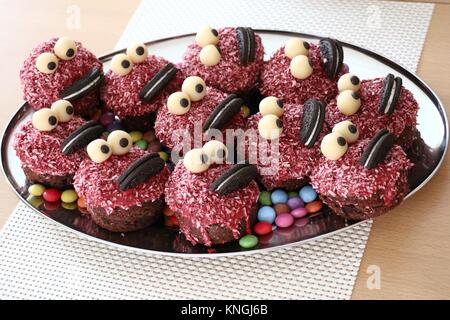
x=81, y=203
x=168, y=212
x=314, y=206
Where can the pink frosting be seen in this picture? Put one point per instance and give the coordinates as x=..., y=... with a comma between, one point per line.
x=368, y=119
x=295, y=160
x=347, y=178
x=229, y=74
x=121, y=93
x=189, y=195
x=277, y=80
x=40, y=90
x=97, y=183
x=166, y=122
x=40, y=150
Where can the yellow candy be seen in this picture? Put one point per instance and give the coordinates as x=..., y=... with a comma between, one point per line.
x=69, y=196
x=163, y=155
x=136, y=135
x=246, y=111
x=36, y=190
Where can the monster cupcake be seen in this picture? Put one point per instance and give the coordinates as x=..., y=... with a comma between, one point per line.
x=195, y=113
x=363, y=180
x=375, y=104
x=229, y=59
x=61, y=68
x=285, y=141
x=301, y=70
x=121, y=186
x=137, y=85
x=214, y=202
x=48, y=147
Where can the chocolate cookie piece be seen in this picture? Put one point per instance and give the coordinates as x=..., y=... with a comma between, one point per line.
x=390, y=94
x=332, y=56
x=81, y=137
x=312, y=121
x=90, y=81
x=247, y=44
x=158, y=82
x=223, y=113
x=237, y=177
x=140, y=170
x=377, y=149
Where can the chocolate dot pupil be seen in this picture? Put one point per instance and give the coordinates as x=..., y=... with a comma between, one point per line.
x=306, y=45
x=69, y=110
x=280, y=103
x=184, y=103
x=341, y=141
x=355, y=95
x=199, y=88
x=51, y=65
x=352, y=128
x=279, y=123
x=214, y=32
x=52, y=120
x=354, y=80
x=70, y=52
x=104, y=149
x=123, y=142
x=140, y=51
x=125, y=64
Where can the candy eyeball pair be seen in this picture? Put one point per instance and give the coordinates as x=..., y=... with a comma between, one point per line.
x=193, y=89
x=122, y=63
x=47, y=119
x=208, y=38
x=199, y=160
x=298, y=51
x=348, y=100
x=65, y=49
x=118, y=143
x=335, y=144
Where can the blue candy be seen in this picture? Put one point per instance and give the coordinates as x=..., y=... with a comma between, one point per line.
x=308, y=194
x=113, y=126
x=267, y=214
x=279, y=196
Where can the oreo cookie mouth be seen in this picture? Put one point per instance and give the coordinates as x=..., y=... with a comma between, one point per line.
x=390, y=94
x=159, y=81
x=81, y=137
x=247, y=45
x=140, y=171
x=235, y=178
x=377, y=149
x=223, y=112
x=312, y=122
x=81, y=87
x=332, y=56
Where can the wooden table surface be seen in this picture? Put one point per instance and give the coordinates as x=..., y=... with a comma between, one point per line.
x=411, y=245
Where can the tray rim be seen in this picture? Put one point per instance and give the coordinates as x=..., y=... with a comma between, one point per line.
x=106, y=57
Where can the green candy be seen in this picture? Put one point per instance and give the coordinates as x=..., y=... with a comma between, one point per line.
x=136, y=136
x=142, y=144
x=292, y=194
x=264, y=198
x=69, y=196
x=36, y=190
x=248, y=241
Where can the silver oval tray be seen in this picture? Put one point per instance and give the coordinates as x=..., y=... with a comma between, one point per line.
x=432, y=146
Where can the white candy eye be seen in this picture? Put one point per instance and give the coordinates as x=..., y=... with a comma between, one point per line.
x=207, y=36
x=216, y=151
x=271, y=105
x=178, y=103
x=65, y=48
x=137, y=52
x=348, y=102
x=301, y=67
x=121, y=64
x=333, y=146
x=348, y=130
x=349, y=82
x=99, y=150
x=194, y=87
x=120, y=142
x=210, y=55
x=45, y=120
x=47, y=62
x=196, y=161
x=63, y=110
x=295, y=47
x=270, y=127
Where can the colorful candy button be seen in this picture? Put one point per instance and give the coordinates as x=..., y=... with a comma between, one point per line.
x=154, y=146
x=149, y=136
x=248, y=241
x=281, y=208
x=69, y=196
x=245, y=111
x=284, y=220
x=264, y=198
x=106, y=118
x=115, y=125
x=299, y=213
x=262, y=228
x=168, y=212
x=136, y=136
x=292, y=194
x=279, y=196
x=163, y=155
x=294, y=203
x=266, y=214
x=36, y=190
x=314, y=206
x=81, y=203
x=51, y=195
x=141, y=144
x=307, y=194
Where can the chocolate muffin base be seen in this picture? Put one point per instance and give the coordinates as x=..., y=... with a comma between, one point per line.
x=128, y=219
x=139, y=123
x=354, y=208
x=49, y=180
x=218, y=234
x=289, y=185
x=407, y=138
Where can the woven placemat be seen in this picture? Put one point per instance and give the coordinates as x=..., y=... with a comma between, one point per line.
x=39, y=259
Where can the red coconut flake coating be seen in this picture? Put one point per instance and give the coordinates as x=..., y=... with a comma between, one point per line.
x=97, y=184
x=347, y=178
x=295, y=160
x=277, y=80
x=40, y=90
x=40, y=150
x=166, y=122
x=368, y=119
x=229, y=74
x=189, y=195
x=121, y=93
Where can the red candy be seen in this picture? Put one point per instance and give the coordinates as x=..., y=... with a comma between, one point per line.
x=51, y=195
x=262, y=228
